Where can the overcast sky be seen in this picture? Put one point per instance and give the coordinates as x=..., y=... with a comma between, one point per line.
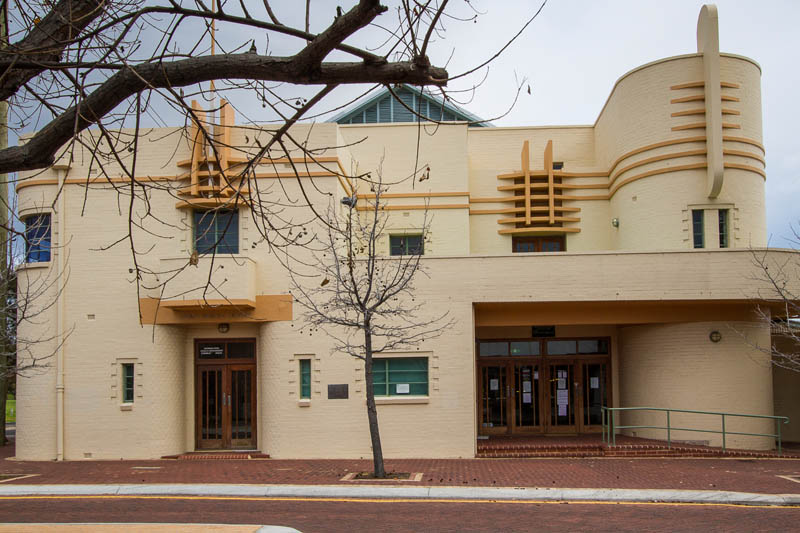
x=576, y=50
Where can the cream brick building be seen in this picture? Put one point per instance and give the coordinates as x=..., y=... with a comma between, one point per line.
x=584, y=266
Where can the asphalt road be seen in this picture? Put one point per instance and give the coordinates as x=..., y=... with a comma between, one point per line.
x=389, y=516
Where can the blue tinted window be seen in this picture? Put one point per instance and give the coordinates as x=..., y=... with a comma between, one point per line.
x=37, y=238
x=216, y=230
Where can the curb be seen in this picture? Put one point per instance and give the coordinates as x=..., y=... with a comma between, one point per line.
x=413, y=493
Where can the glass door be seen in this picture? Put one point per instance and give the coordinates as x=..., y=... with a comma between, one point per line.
x=561, y=398
x=494, y=400
x=526, y=398
x=595, y=385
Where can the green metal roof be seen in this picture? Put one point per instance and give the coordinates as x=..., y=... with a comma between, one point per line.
x=383, y=108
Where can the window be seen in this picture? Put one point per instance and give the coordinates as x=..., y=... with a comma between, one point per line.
x=305, y=379
x=406, y=245
x=537, y=244
x=723, y=228
x=127, y=382
x=697, y=228
x=400, y=376
x=37, y=238
x=216, y=231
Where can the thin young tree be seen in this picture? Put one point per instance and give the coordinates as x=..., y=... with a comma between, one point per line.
x=780, y=303
x=361, y=296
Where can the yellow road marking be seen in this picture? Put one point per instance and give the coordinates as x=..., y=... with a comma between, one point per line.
x=381, y=500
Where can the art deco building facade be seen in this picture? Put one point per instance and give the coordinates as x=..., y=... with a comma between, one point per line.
x=583, y=266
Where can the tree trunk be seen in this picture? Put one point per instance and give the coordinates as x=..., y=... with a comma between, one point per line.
x=372, y=412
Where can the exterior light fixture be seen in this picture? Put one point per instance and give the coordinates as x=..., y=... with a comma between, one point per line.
x=224, y=327
x=715, y=336
x=615, y=222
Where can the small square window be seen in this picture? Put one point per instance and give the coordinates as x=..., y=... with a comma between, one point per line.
x=406, y=245
x=37, y=238
x=127, y=383
x=305, y=379
x=697, y=228
x=216, y=231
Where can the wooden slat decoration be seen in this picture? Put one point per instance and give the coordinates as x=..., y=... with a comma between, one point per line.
x=696, y=84
x=512, y=210
x=526, y=170
x=534, y=230
x=537, y=219
x=548, y=165
x=226, y=120
x=197, y=141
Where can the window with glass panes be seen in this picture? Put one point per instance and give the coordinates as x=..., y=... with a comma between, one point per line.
x=723, y=228
x=400, y=376
x=697, y=228
x=37, y=238
x=127, y=383
x=305, y=378
x=216, y=231
x=406, y=245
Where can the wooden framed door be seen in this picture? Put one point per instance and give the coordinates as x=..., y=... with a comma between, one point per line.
x=225, y=395
x=494, y=393
x=526, y=397
x=560, y=397
x=595, y=390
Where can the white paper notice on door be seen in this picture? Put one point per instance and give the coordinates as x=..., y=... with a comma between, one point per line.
x=562, y=383
x=536, y=375
x=562, y=410
x=526, y=386
x=403, y=388
x=494, y=384
x=526, y=397
x=562, y=398
x=594, y=383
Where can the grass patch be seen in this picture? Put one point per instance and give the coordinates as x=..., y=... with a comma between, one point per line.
x=11, y=411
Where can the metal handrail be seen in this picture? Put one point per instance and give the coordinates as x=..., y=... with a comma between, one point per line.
x=610, y=428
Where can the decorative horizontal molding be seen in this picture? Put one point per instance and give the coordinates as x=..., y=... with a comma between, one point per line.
x=211, y=203
x=655, y=159
x=692, y=98
x=655, y=172
x=554, y=230
x=744, y=140
x=413, y=207
x=524, y=220
x=416, y=195
x=702, y=111
x=747, y=167
x=742, y=153
x=692, y=126
x=695, y=84
x=512, y=210
x=653, y=146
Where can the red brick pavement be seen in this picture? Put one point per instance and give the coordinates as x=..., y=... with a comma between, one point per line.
x=736, y=474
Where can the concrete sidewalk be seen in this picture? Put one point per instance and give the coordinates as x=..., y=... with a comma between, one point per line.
x=407, y=493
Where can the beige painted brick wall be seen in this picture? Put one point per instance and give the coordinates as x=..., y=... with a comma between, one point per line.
x=676, y=366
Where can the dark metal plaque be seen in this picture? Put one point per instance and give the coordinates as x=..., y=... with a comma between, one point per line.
x=337, y=392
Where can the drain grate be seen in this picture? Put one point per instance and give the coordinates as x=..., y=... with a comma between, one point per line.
x=795, y=478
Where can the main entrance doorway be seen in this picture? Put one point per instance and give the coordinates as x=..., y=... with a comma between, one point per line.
x=225, y=394
x=555, y=386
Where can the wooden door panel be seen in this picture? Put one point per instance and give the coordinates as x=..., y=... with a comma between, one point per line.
x=242, y=407
x=209, y=410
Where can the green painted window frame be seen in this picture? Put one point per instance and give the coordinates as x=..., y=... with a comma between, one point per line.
x=305, y=379
x=412, y=244
x=127, y=382
x=389, y=372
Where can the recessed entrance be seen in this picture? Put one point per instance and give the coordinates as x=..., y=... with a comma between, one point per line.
x=225, y=394
x=550, y=386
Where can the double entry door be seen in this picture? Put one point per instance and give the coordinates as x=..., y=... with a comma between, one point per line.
x=225, y=390
x=538, y=395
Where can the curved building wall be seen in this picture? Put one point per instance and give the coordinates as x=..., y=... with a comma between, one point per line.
x=676, y=366
x=651, y=135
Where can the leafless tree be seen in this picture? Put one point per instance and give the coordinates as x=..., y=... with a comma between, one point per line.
x=782, y=310
x=362, y=297
x=106, y=64
x=26, y=298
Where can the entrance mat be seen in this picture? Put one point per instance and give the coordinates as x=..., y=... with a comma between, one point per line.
x=218, y=456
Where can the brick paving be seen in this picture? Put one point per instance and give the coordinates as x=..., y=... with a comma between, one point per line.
x=734, y=474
